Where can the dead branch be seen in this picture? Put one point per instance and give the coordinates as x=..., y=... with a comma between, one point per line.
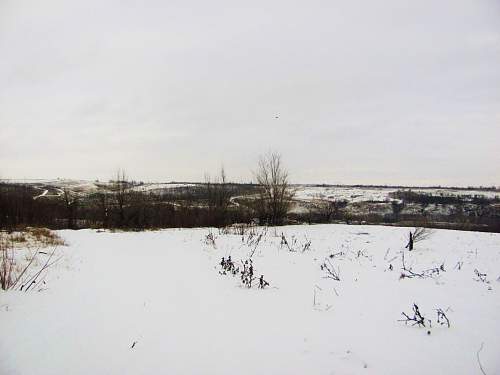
x=409, y=273
x=331, y=272
x=255, y=242
x=442, y=318
x=417, y=319
x=480, y=276
x=33, y=280
x=306, y=246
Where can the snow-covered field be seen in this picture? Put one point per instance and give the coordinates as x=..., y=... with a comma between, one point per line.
x=87, y=187
x=159, y=187
x=363, y=194
x=156, y=303
x=351, y=194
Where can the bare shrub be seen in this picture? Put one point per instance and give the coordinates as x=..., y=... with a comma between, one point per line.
x=418, y=319
x=275, y=195
x=10, y=271
x=293, y=244
x=7, y=265
x=245, y=272
x=210, y=239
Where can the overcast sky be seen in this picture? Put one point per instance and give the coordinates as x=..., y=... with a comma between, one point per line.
x=391, y=92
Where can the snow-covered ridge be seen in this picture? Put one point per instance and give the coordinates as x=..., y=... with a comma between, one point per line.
x=303, y=192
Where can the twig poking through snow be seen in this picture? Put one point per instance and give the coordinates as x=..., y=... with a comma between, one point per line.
x=409, y=273
x=417, y=319
x=480, y=276
x=442, y=318
x=478, y=360
x=331, y=272
x=210, y=240
x=386, y=253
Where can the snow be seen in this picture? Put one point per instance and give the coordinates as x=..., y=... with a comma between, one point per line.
x=302, y=192
x=351, y=194
x=45, y=191
x=490, y=194
x=87, y=187
x=163, y=291
x=363, y=194
x=151, y=187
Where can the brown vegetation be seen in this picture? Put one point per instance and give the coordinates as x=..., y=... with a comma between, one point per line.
x=20, y=266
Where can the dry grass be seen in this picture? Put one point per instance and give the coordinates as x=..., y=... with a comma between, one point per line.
x=421, y=234
x=33, y=237
x=20, y=265
x=18, y=237
x=46, y=236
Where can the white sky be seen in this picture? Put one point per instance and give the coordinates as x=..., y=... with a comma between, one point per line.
x=395, y=92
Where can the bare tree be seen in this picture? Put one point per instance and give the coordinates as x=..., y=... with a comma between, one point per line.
x=224, y=191
x=275, y=195
x=121, y=191
x=218, y=194
x=397, y=208
x=333, y=209
x=102, y=202
x=71, y=205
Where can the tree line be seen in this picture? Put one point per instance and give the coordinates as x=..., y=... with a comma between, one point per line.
x=217, y=202
x=122, y=203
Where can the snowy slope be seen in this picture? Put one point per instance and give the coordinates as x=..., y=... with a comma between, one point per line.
x=163, y=290
x=362, y=194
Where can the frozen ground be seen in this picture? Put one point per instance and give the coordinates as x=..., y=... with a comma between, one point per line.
x=156, y=303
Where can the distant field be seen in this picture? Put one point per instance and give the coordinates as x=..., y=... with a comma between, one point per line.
x=363, y=194
x=304, y=192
